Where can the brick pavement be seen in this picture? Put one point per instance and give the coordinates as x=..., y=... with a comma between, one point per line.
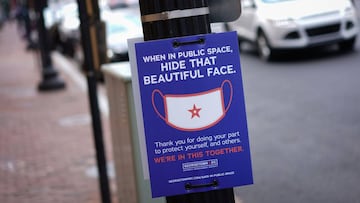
x=46, y=143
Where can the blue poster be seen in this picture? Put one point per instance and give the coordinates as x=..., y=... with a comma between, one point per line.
x=193, y=114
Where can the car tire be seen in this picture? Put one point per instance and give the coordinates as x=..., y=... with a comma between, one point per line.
x=69, y=48
x=264, y=50
x=54, y=37
x=347, y=45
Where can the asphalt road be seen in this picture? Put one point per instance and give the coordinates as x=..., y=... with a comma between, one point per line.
x=304, y=126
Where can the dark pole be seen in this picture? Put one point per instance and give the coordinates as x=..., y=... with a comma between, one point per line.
x=160, y=22
x=50, y=79
x=89, y=15
x=174, y=27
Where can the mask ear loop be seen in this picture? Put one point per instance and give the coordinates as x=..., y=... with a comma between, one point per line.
x=231, y=92
x=153, y=102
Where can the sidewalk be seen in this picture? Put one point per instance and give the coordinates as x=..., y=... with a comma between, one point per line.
x=46, y=140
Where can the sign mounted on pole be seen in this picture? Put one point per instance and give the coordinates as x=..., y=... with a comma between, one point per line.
x=193, y=113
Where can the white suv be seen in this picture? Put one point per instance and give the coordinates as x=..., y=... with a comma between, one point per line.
x=286, y=24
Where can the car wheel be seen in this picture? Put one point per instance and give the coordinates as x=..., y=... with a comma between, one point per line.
x=264, y=50
x=69, y=48
x=347, y=45
x=54, y=37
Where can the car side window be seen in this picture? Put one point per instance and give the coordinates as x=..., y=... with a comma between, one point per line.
x=247, y=4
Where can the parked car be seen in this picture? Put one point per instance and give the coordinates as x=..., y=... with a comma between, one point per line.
x=122, y=23
x=274, y=25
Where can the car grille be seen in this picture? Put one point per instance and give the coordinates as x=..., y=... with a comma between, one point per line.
x=323, y=30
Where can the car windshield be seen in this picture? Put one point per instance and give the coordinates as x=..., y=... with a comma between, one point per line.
x=112, y=28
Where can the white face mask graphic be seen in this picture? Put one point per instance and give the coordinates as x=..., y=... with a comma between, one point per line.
x=194, y=112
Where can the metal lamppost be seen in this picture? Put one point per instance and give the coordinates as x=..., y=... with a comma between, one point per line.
x=89, y=27
x=175, y=18
x=50, y=79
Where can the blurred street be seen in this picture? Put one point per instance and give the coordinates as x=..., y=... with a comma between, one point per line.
x=304, y=126
x=46, y=142
x=303, y=119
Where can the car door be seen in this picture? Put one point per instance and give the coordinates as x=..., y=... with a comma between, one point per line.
x=245, y=24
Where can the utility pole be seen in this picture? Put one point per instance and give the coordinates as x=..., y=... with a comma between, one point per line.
x=90, y=17
x=176, y=18
x=50, y=80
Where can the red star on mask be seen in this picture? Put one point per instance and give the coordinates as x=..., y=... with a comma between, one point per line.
x=194, y=112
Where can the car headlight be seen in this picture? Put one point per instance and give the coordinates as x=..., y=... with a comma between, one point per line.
x=288, y=23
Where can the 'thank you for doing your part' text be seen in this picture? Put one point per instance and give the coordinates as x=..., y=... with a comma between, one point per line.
x=187, y=65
